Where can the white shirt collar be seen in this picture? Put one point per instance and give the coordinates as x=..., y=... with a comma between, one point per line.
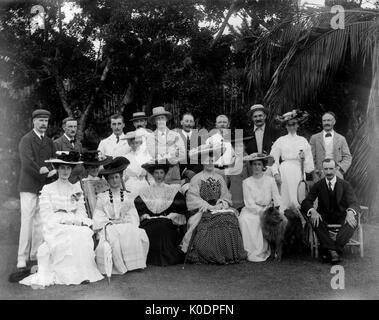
x=333, y=182
x=67, y=137
x=187, y=134
x=260, y=128
x=38, y=134
x=324, y=133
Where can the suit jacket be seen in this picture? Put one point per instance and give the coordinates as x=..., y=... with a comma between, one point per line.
x=196, y=140
x=63, y=144
x=341, y=152
x=345, y=198
x=33, y=152
x=269, y=137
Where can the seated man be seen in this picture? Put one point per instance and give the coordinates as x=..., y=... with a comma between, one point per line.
x=337, y=204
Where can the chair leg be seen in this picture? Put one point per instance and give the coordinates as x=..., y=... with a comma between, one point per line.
x=361, y=240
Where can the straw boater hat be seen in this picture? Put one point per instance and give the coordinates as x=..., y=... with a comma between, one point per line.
x=138, y=115
x=157, y=164
x=117, y=165
x=207, y=150
x=266, y=158
x=256, y=107
x=95, y=158
x=132, y=135
x=66, y=157
x=159, y=111
x=296, y=114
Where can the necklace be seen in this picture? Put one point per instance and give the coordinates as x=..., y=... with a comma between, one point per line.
x=111, y=195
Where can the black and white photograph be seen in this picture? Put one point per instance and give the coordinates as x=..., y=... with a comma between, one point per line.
x=205, y=152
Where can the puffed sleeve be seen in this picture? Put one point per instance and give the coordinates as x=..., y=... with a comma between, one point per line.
x=225, y=194
x=194, y=201
x=308, y=163
x=100, y=218
x=276, y=153
x=129, y=212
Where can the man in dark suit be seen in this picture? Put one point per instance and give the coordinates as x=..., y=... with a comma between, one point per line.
x=264, y=136
x=68, y=142
x=337, y=204
x=191, y=139
x=34, y=148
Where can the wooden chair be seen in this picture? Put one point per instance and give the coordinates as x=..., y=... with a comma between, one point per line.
x=355, y=242
x=91, y=188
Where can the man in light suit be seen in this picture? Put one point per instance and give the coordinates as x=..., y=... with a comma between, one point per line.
x=67, y=142
x=330, y=144
x=34, y=148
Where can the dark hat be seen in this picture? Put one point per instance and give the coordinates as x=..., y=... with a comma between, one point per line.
x=257, y=107
x=266, y=158
x=157, y=164
x=95, y=158
x=159, y=111
x=117, y=165
x=138, y=116
x=41, y=113
x=66, y=157
x=296, y=114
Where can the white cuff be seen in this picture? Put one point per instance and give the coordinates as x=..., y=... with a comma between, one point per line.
x=351, y=209
x=309, y=212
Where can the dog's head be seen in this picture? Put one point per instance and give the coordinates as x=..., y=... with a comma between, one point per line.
x=272, y=216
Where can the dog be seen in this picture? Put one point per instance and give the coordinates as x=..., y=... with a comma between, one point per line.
x=282, y=231
x=274, y=226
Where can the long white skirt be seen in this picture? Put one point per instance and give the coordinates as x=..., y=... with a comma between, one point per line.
x=130, y=246
x=256, y=246
x=65, y=257
x=290, y=173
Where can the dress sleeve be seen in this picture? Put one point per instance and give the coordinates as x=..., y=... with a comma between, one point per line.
x=275, y=153
x=178, y=205
x=81, y=213
x=225, y=194
x=100, y=218
x=275, y=193
x=48, y=216
x=194, y=201
x=308, y=163
x=129, y=212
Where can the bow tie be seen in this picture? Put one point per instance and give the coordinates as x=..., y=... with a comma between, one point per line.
x=328, y=135
x=72, y=141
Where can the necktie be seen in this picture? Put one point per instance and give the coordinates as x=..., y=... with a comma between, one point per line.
x=41, y=136
x=118, y=139
x=330, y=186
x=188, y=147
x=328, y=135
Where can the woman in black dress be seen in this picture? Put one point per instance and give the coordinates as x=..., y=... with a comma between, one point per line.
x=162, y=210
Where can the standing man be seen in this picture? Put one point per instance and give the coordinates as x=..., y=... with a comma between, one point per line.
x=139, y=120
x=68, y=142
x=191, y=139
x=330, y=144
x=264, y=136
x=337, y=204
x=34, y=148
x=164, y=143
x=116, y=145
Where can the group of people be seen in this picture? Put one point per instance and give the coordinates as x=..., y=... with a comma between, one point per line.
x=174, y=195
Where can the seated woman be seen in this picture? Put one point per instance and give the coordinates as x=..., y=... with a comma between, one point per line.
x=66, y=255
x=117, y=221
x=92, y=160
x=259, y=191
x=162, y=210
x=135, y=177
x=213, y=234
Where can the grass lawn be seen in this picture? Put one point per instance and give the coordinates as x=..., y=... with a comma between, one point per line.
x=297, y=277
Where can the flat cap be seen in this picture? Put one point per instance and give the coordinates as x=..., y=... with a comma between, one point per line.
x=41, y=113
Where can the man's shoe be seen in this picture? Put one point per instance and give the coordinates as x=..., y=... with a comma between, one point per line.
x=335, y=258
x=21, y=264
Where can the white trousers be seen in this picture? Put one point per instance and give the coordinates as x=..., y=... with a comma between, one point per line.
x=31, y=228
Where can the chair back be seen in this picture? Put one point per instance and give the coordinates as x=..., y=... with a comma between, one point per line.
x=91, y=188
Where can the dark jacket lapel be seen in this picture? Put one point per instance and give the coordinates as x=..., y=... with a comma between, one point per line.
x=339, y=191
x=67, y=143
x=324, y=194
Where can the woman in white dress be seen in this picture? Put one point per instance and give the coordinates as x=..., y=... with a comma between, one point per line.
x=290, y=148
x=259, y=192
x=66, y=256
x=117, y=221
x=135, y=177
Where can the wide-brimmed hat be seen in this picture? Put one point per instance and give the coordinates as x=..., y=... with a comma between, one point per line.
x=138, y=116
x=159, y=111
x=207, y=150
x=66, y=157
x=41, y=113
x=299, y=115
x=95, y=158
x=157, y=164
x=266, y=158
x=257, y=107
x=133, y=135
x=117, y=165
